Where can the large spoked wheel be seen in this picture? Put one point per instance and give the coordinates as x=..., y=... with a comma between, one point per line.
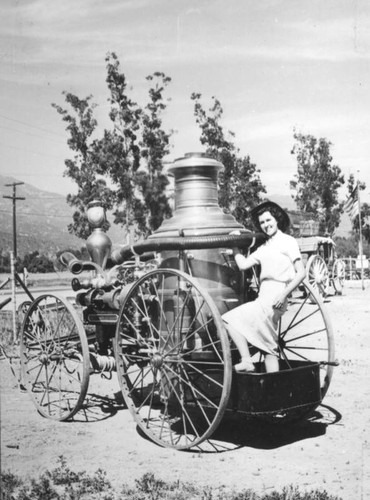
x=338, y=275
x=54, y=357
x=173, y=359
x=318, y=274
x=305, y=339
x=306, y=334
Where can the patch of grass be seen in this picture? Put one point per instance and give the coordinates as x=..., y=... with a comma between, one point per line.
x=6, y=331
x=6, y=334
x=62, y=483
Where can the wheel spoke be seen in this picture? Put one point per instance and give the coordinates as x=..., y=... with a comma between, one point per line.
x=297, y=354
x=309, y=334
x=204, y=374
x=212, y=404
x=184, y=411
x=195, y=332
x=302, y=320
x=200, y=407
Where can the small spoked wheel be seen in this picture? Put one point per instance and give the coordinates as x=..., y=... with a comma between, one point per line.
x=318, y=274
x=306, y=334
x=54, y=357
x=173, y=359
x=338, y=275
x=305, y=340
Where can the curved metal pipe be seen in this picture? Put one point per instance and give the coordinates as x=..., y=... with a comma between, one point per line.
x=244, y=240
x=75, y=265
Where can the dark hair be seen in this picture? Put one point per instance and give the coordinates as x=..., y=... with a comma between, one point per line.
x=275, y=212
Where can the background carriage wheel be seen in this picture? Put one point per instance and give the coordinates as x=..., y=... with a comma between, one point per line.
x=338, y=275
x=173, y=359
x=54, y=357
x=305, y=335
x=318, y=274
x=21, y=311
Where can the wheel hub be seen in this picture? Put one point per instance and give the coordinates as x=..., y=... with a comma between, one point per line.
x=44, y=358
x=157, y=360
x=282, y=343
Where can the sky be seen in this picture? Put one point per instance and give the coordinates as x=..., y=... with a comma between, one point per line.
x=275, y=65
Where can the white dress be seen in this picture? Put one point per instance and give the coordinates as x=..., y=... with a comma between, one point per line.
x=257, y=321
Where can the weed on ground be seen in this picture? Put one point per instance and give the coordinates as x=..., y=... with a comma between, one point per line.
x=62, y=483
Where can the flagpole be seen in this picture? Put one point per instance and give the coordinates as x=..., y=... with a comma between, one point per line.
x=360, y=232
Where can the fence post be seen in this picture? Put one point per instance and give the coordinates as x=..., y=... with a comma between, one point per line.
x=12, y=277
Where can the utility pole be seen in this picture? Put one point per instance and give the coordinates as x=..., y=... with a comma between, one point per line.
x=13, y=255
x=14, y=198
x=360, y=233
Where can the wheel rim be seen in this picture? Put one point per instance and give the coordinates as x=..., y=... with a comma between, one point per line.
x=173, y=359
x=306, y=335
x=317, y=274
x=339, y=271
x=54, y=357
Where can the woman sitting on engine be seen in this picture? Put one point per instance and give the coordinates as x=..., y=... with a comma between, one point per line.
x=282, y=270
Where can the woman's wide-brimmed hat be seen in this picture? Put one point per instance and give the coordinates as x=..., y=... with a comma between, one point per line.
x=282, y=219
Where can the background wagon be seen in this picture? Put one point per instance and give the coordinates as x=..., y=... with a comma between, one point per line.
x=323, y=267
x=152, y=312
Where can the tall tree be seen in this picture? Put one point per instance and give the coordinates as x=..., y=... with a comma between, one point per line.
x=318, y=181
x=240, y=186
x=151, y=181
x=132, y=154
x=81, y=125
x=117, y=153
x=129, y=155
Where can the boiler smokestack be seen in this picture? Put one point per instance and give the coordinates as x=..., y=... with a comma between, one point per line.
x=197, y=212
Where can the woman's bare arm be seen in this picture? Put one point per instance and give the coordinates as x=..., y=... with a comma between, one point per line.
x=242, y=262
x=300, y=274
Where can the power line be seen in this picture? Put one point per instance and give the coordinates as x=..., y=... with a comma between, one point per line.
x=33, y=174
x=45, y=197
x=29, y=151
x=30, y=134
x=20, y=214
x=29, y=125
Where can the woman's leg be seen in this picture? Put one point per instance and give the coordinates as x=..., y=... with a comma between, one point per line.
x=271, y=363
x=241, y=343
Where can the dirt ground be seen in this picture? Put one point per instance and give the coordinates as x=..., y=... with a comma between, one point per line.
x=329, y=451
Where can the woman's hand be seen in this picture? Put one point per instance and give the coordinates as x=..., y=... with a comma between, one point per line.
x=280, y=301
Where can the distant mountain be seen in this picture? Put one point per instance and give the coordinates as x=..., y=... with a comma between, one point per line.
x=41, y=219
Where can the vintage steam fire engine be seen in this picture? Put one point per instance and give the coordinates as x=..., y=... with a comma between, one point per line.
x=151, y=312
